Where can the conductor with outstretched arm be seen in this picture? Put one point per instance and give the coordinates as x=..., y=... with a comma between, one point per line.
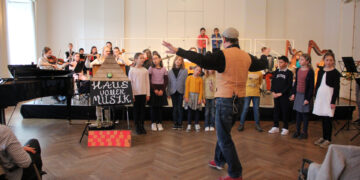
x=232, y=65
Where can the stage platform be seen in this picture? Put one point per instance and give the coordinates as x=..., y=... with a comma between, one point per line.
x=48, y=108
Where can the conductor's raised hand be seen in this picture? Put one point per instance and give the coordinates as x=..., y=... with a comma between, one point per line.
x=171, y=48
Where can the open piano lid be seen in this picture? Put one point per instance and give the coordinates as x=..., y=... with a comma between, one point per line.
x=31, y=71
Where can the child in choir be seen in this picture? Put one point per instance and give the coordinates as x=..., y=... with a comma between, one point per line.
x=190, y=66
x=140, y=84
x=193, y=97
x=202, y=38
x=176, y=89
x=158, y=82
x=148, y=58
x=280, y=87
x=253, y=84
x=295, y=60
x=209, y=92
x=326, y=91
x=216, y=40
x=302, y=93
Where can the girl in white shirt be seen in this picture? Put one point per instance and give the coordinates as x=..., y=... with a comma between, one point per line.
x=139, y=77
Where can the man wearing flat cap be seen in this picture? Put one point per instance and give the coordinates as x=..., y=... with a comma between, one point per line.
x=232, y=65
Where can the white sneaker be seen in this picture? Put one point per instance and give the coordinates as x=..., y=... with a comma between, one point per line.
x=153, y=127
x=207, y=129
x=325, y=144
x=212, y=129
x=284, y=132
x=197, y=127
x=160, y=128
x=188, y=128
x=274, y=130
x=319, y=141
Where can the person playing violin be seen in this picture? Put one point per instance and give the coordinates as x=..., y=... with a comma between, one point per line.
x=109, y=45
x=91, y=57
x=119, y=59
x=48, y=61
x=93, y=54
x=80, y=75
x=83, y=58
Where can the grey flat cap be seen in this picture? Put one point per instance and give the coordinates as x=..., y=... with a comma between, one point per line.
x=231, y=33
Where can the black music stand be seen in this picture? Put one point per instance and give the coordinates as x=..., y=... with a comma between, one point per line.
x=350, y=68
x=79, y=67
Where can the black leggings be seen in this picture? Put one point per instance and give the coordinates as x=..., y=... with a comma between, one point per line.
x=139, y=110
x=29, y=173
x=327, y=127
x=156, y=115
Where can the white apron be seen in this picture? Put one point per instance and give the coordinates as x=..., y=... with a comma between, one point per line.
x=322, y=103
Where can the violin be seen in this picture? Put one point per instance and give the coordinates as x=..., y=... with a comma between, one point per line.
x=82, y=57
x=60, y=61
x=122, y=51
x=52, y=59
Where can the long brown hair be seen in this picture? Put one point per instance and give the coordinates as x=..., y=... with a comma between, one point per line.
x=136, y=56
x=307, y=57
x=45, y=50
x=152, y=62
x=330, y=53
x=182, y=66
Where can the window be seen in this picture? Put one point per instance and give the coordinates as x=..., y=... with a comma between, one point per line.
x=21, y=31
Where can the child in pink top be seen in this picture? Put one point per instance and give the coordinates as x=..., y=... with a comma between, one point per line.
x=158, y=99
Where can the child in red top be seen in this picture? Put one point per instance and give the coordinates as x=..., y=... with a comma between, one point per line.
x=202, y=42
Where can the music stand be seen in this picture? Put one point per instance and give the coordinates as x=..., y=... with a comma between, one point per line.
x=79, y=67
x=350, y=68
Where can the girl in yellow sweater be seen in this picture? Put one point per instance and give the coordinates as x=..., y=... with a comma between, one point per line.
x=193, y=97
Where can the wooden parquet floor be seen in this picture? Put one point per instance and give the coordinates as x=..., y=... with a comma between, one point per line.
x=170, y=154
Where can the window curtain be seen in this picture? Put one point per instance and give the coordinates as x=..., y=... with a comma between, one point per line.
x=4, y=73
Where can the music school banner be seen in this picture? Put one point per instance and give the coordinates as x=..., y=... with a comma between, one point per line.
x=104, y=93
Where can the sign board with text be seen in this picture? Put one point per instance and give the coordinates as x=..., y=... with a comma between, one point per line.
x=104, y=93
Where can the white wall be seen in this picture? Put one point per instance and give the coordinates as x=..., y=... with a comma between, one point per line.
x=339, y=36
x=145, y=23
x=82, y=22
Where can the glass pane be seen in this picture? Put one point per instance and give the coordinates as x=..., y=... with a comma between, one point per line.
x=21, y=32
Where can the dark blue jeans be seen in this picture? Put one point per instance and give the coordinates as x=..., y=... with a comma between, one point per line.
x=302, y=117
x=156, y=115
x=197, y=115
x=256, y=102
x=210, y=113
x=202, y=51
x=225, y=151
x=281, y=111
x=177, y=101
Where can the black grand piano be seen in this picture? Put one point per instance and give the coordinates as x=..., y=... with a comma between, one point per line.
x=29, y=82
